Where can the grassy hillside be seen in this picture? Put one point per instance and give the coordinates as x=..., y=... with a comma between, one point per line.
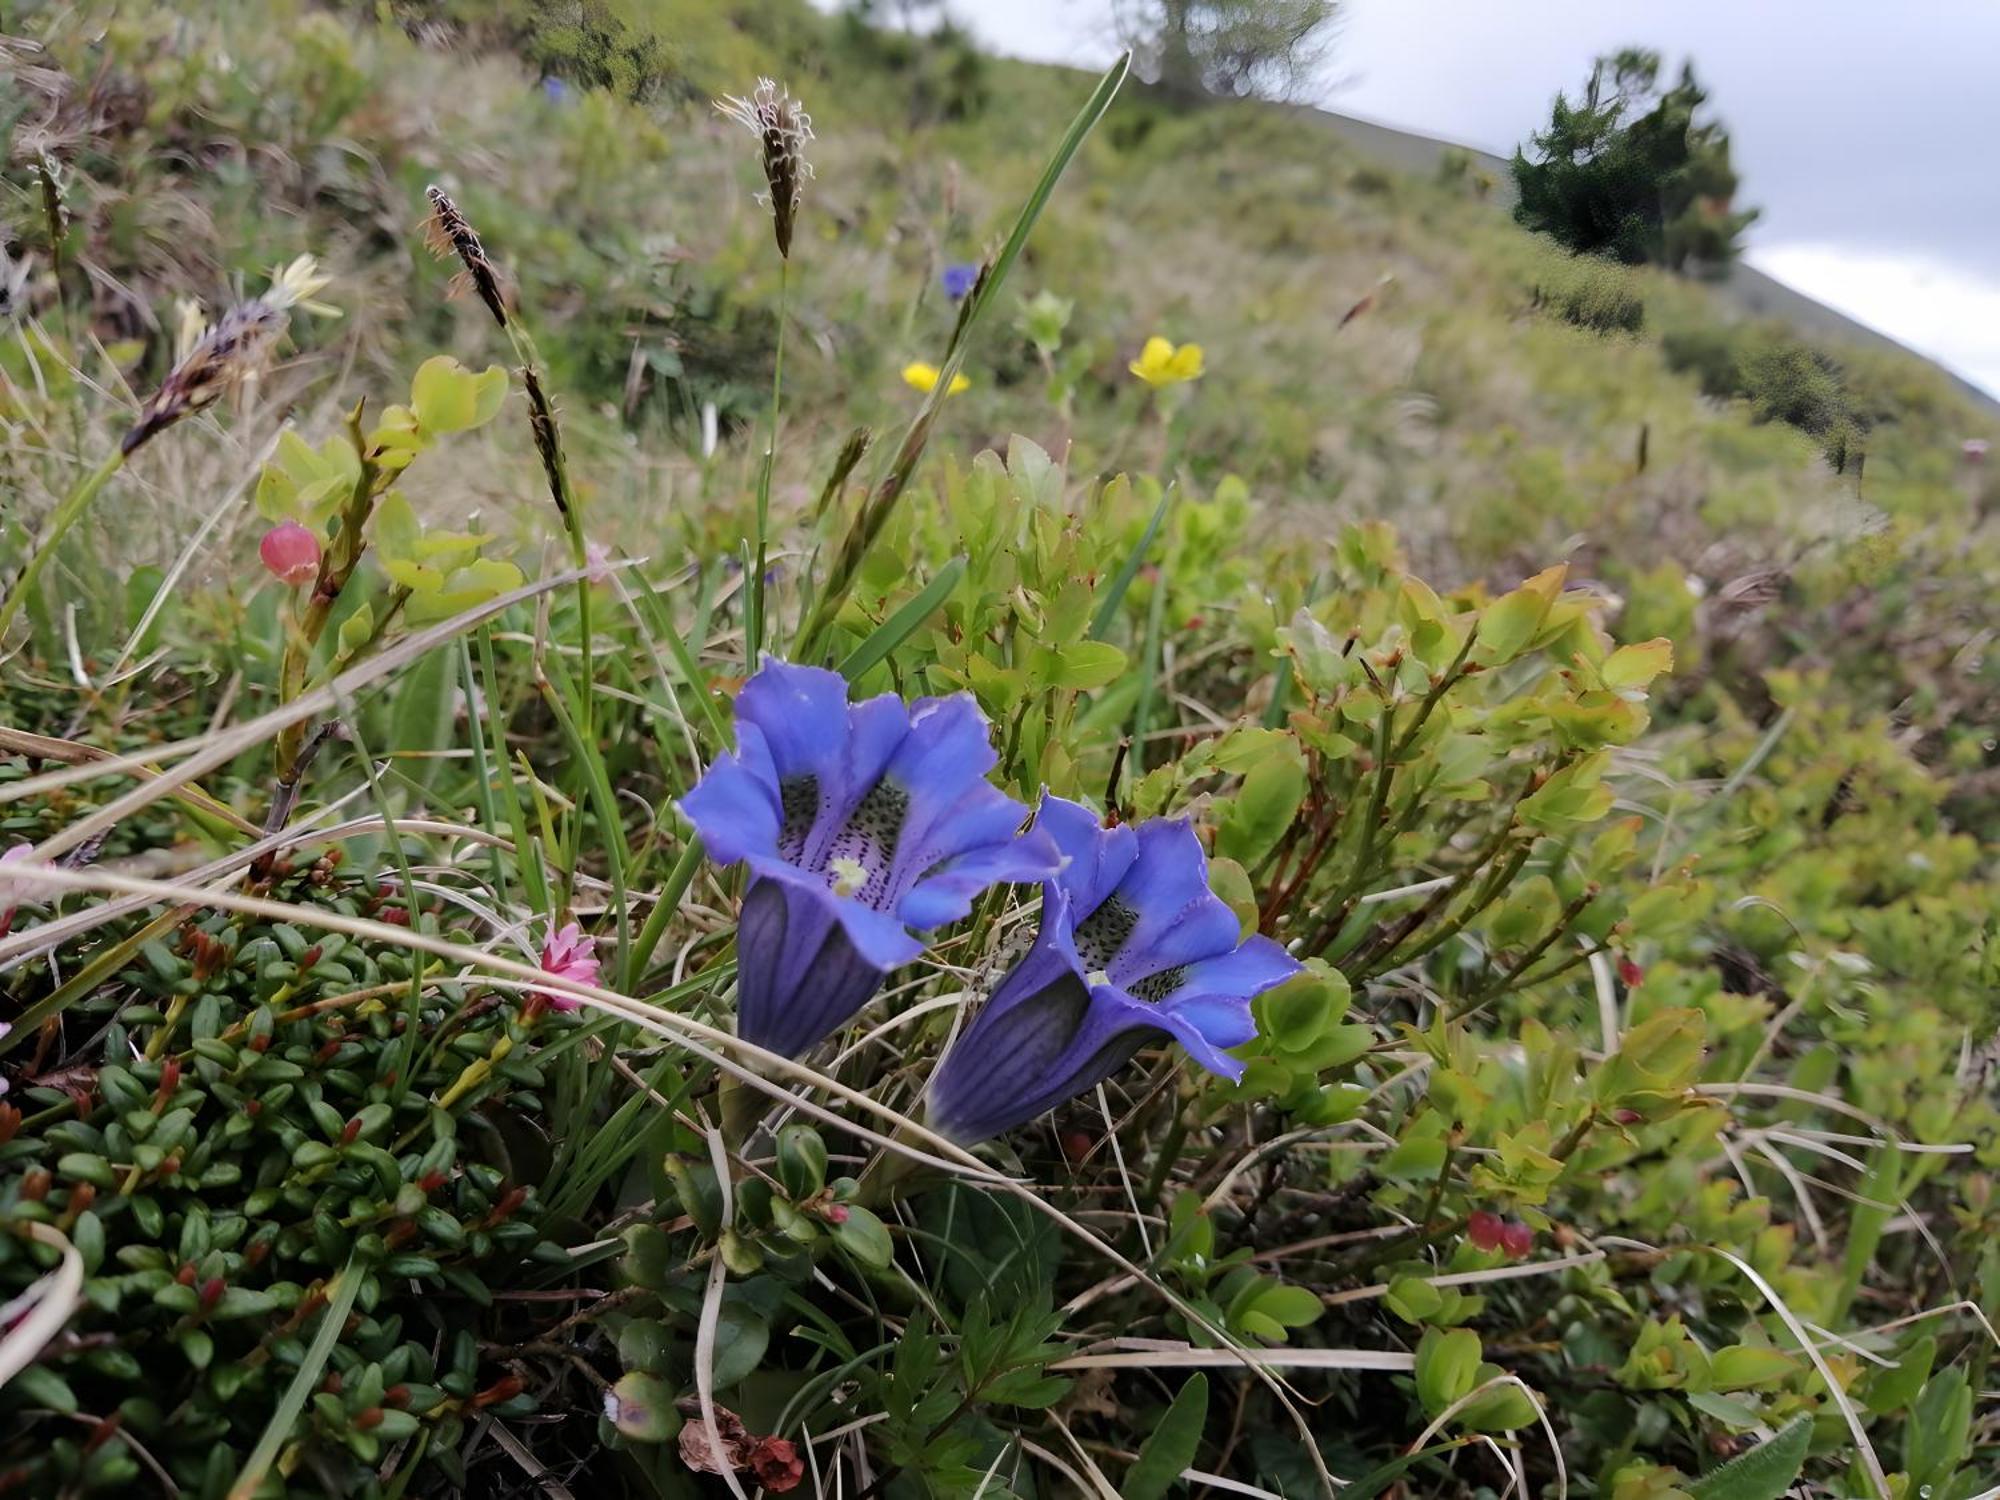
x=1633, y=1115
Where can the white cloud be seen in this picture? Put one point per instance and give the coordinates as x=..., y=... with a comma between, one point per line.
x=1944, y=313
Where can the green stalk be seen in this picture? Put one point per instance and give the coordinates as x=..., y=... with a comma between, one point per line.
x=882, y=500
x=61, y=522
x=753, y=624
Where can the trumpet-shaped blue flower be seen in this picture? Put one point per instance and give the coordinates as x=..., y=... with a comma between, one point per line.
x=859, y=823
x=1134, y=948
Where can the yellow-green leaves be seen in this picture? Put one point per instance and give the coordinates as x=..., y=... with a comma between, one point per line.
x=443, y=570
x=1449, y=1369
x=1633, y=668
x=1573, y=796
x=1510, y=623
x=307, y=484
x=1655, y=1062
x=445, y=397
x=1251, y=823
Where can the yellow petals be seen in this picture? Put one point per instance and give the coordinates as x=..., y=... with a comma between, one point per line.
x=1160, y=363
x=925, y=378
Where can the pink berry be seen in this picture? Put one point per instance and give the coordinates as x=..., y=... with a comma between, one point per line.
x=1486, y=1230
x=291, y=553
x=1516, y=1238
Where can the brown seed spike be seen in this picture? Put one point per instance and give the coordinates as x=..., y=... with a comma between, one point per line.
x=448, y=232
x=234, y=350
x=782, y=129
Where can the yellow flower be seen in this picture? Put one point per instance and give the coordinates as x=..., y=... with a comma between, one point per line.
x=925, y=378
x=1160, y=363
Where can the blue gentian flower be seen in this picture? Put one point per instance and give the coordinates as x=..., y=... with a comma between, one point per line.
x=959, y=278
x=861, y=824
x=555, y=90
x=1134, y=949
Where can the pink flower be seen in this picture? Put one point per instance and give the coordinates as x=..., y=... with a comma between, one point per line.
x=568, y=954
x=291, y=553
x=1974, y=450
x=597, y=561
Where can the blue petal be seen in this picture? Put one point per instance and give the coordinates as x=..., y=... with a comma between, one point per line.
x=799, y=977
x=1179, y=918
x=877, y=936
x=735, y=807
x=1200, y=1026
x=872, y=733
x=1095, y=857
x=947, y=893
x=802, y=712
x=1044, y=1037
x=1243, y=973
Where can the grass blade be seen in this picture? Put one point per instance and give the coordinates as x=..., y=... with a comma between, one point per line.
x=1129, y=569
x=304, y=1380
x=900, y=626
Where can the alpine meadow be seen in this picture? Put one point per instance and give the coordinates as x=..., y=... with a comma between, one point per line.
x=743, y=752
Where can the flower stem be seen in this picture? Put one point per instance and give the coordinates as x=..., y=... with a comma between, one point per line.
x=753, y=625
x=61, y=522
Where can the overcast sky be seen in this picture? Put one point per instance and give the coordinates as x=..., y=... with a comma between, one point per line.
x=1866, y=130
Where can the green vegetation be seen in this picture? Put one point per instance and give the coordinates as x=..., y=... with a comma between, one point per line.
x=1628, y=172
x=1594, y=696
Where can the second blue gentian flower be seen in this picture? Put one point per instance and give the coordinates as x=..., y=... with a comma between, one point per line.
x=862, y=824
x=1134, y=949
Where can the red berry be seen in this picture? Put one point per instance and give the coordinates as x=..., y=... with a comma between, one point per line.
x=1516, y=1238
x=1630, y=974
x=1486, y=1230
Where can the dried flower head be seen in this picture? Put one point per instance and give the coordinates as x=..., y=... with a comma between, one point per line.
x=448, y=232
x=238, y=348
x=782, y=129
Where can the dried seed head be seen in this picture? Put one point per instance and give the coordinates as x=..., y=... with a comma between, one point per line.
x=782, y=129
x=236, y=349
x=214, y=361
x=448, y=232
x=548, y=438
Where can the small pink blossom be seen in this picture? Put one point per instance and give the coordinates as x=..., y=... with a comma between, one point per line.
x=1974, y=450
x=597, y=560
x=291, y=552
x=568, y=954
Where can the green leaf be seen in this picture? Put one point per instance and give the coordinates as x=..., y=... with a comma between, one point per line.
x=422, y=723
x=1765, y=1472
x=801, y=1160
x=447, y=397
x=1938, y=1432
x=1265, y=806
x=305, y=1380
x=1114, y=595
x=1087, y=664
x=1447, y=1366
x=1741, y=1366
x=1172, y=1446
x=863, y=1236
x=1876, y=1204
x=741, y=1336
x=900, y=626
